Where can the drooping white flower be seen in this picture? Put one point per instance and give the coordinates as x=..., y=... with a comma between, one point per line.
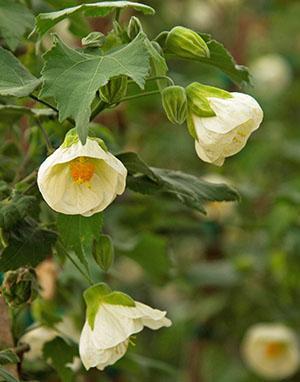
x=271, y=350
x=221, y=122
x=81, y=179
x=112, y=317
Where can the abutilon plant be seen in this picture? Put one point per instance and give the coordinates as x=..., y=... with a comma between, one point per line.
x=73, y=174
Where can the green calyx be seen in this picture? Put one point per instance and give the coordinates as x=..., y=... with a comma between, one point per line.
x=198, y=95
x=114, y=90
x=99, y=294
x=71, y=138
x=174, y=101
x=185, y=43
x=93, y=40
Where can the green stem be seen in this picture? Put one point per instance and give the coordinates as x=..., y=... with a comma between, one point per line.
x=156, y=78
x=50, y=148
x=45, y=103
x=129, y=98
x=101, y=106
x=87, y=277
x=117, y=15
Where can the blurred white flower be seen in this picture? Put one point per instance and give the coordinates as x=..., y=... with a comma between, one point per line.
x=63, y=31
x=200, y=14
x=271, y=74
x=112, y=317
x=81, y=179
x=226, y=133
x=47, y=273
x=218, y=211
x=38, y=337
x=271, y=350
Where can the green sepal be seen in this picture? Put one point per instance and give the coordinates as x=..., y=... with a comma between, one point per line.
x=208, y=91
x=114, y=90
x=191, y=126
x=72, y=138
x=99, y=294
x=134, y=27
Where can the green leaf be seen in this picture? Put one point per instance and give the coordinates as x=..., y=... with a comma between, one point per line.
x=77, y=232
x=7, y=376
x=15, y=79
x=73, y=77
x=15, y=20
x=15, y=209
x=45, y=21
x=8, y=356
x=158, y=63
x=222, y=59
x=27, y=247
x=60, y=355
x=188, y=189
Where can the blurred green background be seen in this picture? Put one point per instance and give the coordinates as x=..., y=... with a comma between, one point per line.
x=216, y=275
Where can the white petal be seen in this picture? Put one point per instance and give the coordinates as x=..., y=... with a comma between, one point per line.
x=232, y=112
x=100, y=358
x=111, y=328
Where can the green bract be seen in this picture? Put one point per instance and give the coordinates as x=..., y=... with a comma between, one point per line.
x=134, y=27
x=186, y=43
x=99, y=294
x=174, y=101
x=93, y=40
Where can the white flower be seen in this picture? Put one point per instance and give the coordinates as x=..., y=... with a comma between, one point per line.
x=112, y=318
x=81, y=179
x=227, y=132
x=271, y=350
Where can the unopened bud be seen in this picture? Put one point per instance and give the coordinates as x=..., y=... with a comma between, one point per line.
x=114, y=90
x=174, y=102
x=186, y=43
x=103, y=252
x=20, y=286
x=134, y=27
x=93, y=40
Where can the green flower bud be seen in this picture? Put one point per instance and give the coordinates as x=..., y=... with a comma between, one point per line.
x=134, y=27
x=103, y=252
x=114, y=90
x=93, y=40
x=174, y=102
x=20, y=287
x=185, y=43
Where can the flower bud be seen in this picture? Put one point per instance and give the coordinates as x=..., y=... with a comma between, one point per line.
x=93, y=40
x=174, y=102
x=134, y=27
x=103, y=252
x=186, y=43
x=114, y=90
x=20, y=287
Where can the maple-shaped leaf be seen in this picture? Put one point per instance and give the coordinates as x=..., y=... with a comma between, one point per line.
x=72, y=77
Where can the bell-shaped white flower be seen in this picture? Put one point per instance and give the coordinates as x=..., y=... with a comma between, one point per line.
x=271, y=350
x=81, y=179
x=223, y=127
x=112, y=317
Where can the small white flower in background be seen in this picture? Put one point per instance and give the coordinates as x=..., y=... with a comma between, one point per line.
x=271, y=350
x=221, y=122
x=271, y=75
x=218, y=211
x=81, y=179
x=112, y=318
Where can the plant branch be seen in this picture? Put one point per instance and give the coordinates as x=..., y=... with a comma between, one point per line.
x=139, y=95
x=101, y=106
x=87, y=277
x=45, y=136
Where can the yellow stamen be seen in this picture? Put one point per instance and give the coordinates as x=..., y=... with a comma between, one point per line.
x=82, y=169
x=274, y=349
